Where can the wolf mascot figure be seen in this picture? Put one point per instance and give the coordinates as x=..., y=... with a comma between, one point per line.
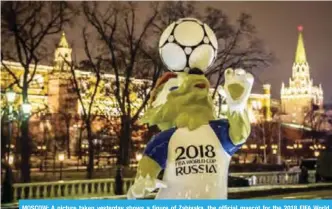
x=193, y=149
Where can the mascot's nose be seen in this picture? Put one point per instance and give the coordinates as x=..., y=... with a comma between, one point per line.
x=195, y=71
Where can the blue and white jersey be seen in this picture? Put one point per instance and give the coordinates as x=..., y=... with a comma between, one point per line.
x=195, y=162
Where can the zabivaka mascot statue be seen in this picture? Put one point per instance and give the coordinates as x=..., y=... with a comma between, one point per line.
x=193, y=148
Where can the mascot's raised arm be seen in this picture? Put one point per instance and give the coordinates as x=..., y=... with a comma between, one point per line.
x=193, y=148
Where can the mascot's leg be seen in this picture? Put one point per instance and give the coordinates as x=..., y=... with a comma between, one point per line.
x=146, y=179
x=148, y=167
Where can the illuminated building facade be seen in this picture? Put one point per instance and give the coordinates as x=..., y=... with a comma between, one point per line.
x=51, y=92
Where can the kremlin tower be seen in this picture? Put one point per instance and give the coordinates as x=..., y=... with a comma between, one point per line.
x=60, y=98
x=62, y=53
x=298, y=98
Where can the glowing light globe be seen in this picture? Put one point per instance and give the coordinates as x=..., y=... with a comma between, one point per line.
x=188, y=43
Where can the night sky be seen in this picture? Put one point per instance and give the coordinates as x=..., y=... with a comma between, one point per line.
x=277, y=23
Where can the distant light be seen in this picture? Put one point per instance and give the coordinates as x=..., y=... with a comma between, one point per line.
x=262, y=147
x=139, y=156
x=300, y=28
x=61, y=157
x=11, y=159
x=316, y=153
x=95, y=141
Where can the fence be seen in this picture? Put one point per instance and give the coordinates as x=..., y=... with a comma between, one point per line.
x=273, y=178
x=106, y=187
x=68, y=189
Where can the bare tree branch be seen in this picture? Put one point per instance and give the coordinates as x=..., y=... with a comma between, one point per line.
x=118, y=33
x=25, y=27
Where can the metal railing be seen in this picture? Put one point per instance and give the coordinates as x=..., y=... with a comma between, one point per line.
x=274, y=178
x=68, y=189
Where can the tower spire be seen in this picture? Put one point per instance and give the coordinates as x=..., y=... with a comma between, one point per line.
x=62, y=52
x=63, y=41
x=300, y=56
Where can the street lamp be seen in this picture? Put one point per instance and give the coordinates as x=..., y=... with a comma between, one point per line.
x=274, y=148
x=8, y=182
x=317, y=148
x=97, y=143
x=41, y=151
x=10, y=96
x=26, y=109
x=61, y=158
x=316, y=153
x=45, y=124
x=11, y=159
x=297, y=146
x=84, y=147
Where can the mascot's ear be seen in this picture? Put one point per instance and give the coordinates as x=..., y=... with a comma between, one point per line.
x=160, y=82
x=164, y=78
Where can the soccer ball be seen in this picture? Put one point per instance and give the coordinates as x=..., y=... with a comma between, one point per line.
x=188, y=43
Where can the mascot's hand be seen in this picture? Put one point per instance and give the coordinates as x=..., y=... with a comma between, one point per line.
x=237, y=88
x=143, y=185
